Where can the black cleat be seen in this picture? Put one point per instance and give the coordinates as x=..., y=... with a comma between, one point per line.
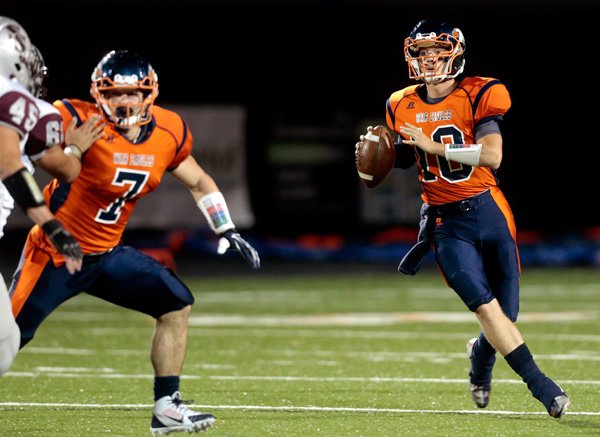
x=559, y=406
x=479, y=393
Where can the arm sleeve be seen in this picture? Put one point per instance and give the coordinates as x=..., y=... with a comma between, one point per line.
x=405, y=155
x=490, y=126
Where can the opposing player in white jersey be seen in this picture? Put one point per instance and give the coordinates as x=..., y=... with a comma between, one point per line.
x=31, y=134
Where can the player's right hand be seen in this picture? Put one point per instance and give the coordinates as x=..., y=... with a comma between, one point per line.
x=358, y=145
x=65, y=244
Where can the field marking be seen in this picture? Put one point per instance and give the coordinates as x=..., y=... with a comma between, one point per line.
x=437, y=292
x=291, y=409
x=433, y=356
x=377, y=319
x=340, y=333
x=60, y=374
x=372, y=355
x=333, y=319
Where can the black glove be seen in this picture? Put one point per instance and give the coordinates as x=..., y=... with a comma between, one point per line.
x=62, y=240
x=232, y=238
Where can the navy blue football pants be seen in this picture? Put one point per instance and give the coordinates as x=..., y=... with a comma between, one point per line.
x=124, y=276
x=475, y=250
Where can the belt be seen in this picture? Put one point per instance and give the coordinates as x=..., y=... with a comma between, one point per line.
x=100, y=253
x=459, y=206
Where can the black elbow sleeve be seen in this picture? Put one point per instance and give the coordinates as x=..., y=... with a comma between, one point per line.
x=24, y=189
x=405, y=155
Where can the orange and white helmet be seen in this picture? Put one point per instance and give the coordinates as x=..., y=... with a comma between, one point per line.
x=124, y=70
x=429, y=67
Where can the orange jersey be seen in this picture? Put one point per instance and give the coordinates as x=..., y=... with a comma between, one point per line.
x=451, y=120
x=115, y=174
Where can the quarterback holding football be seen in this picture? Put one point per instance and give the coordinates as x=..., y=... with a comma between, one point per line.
x=448, y=128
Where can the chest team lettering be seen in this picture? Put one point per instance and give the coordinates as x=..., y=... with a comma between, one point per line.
x=138, y=159
x=424, y=117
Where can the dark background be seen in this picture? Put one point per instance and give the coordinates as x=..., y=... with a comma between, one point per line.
x=334, y=63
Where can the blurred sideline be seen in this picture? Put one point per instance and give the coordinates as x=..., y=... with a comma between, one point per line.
x=193, y=252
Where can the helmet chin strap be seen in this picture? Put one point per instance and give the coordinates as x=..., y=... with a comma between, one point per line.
x=437, y=80
x=444, y=76
x=129, y=121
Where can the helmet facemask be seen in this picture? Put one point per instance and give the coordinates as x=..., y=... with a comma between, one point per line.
x=123, y=72
x=446, y=63
x=125, y=114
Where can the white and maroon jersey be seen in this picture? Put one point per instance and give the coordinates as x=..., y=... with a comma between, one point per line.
x=38, y=124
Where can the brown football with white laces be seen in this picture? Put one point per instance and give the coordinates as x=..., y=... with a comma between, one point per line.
x=375, y=156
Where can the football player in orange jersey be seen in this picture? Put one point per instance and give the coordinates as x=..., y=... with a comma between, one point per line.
x=449, y=126
x=141, y=143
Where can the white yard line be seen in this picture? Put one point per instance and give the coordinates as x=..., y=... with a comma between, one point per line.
x=377, y=319
x=325, y=319
x=333, y=319
x=372, y=355
x=287, y=409
x=357, y=333
x=61, y=374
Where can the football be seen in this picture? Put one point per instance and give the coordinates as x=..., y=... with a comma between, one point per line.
x=375, y=156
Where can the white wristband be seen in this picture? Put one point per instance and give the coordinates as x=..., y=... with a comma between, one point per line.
x=73, y=149
x=215, y=210
x=464, y=153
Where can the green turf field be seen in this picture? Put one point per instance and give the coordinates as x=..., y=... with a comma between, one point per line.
x=336, y=355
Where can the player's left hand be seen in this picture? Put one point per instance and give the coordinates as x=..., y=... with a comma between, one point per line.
x=232, y=238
